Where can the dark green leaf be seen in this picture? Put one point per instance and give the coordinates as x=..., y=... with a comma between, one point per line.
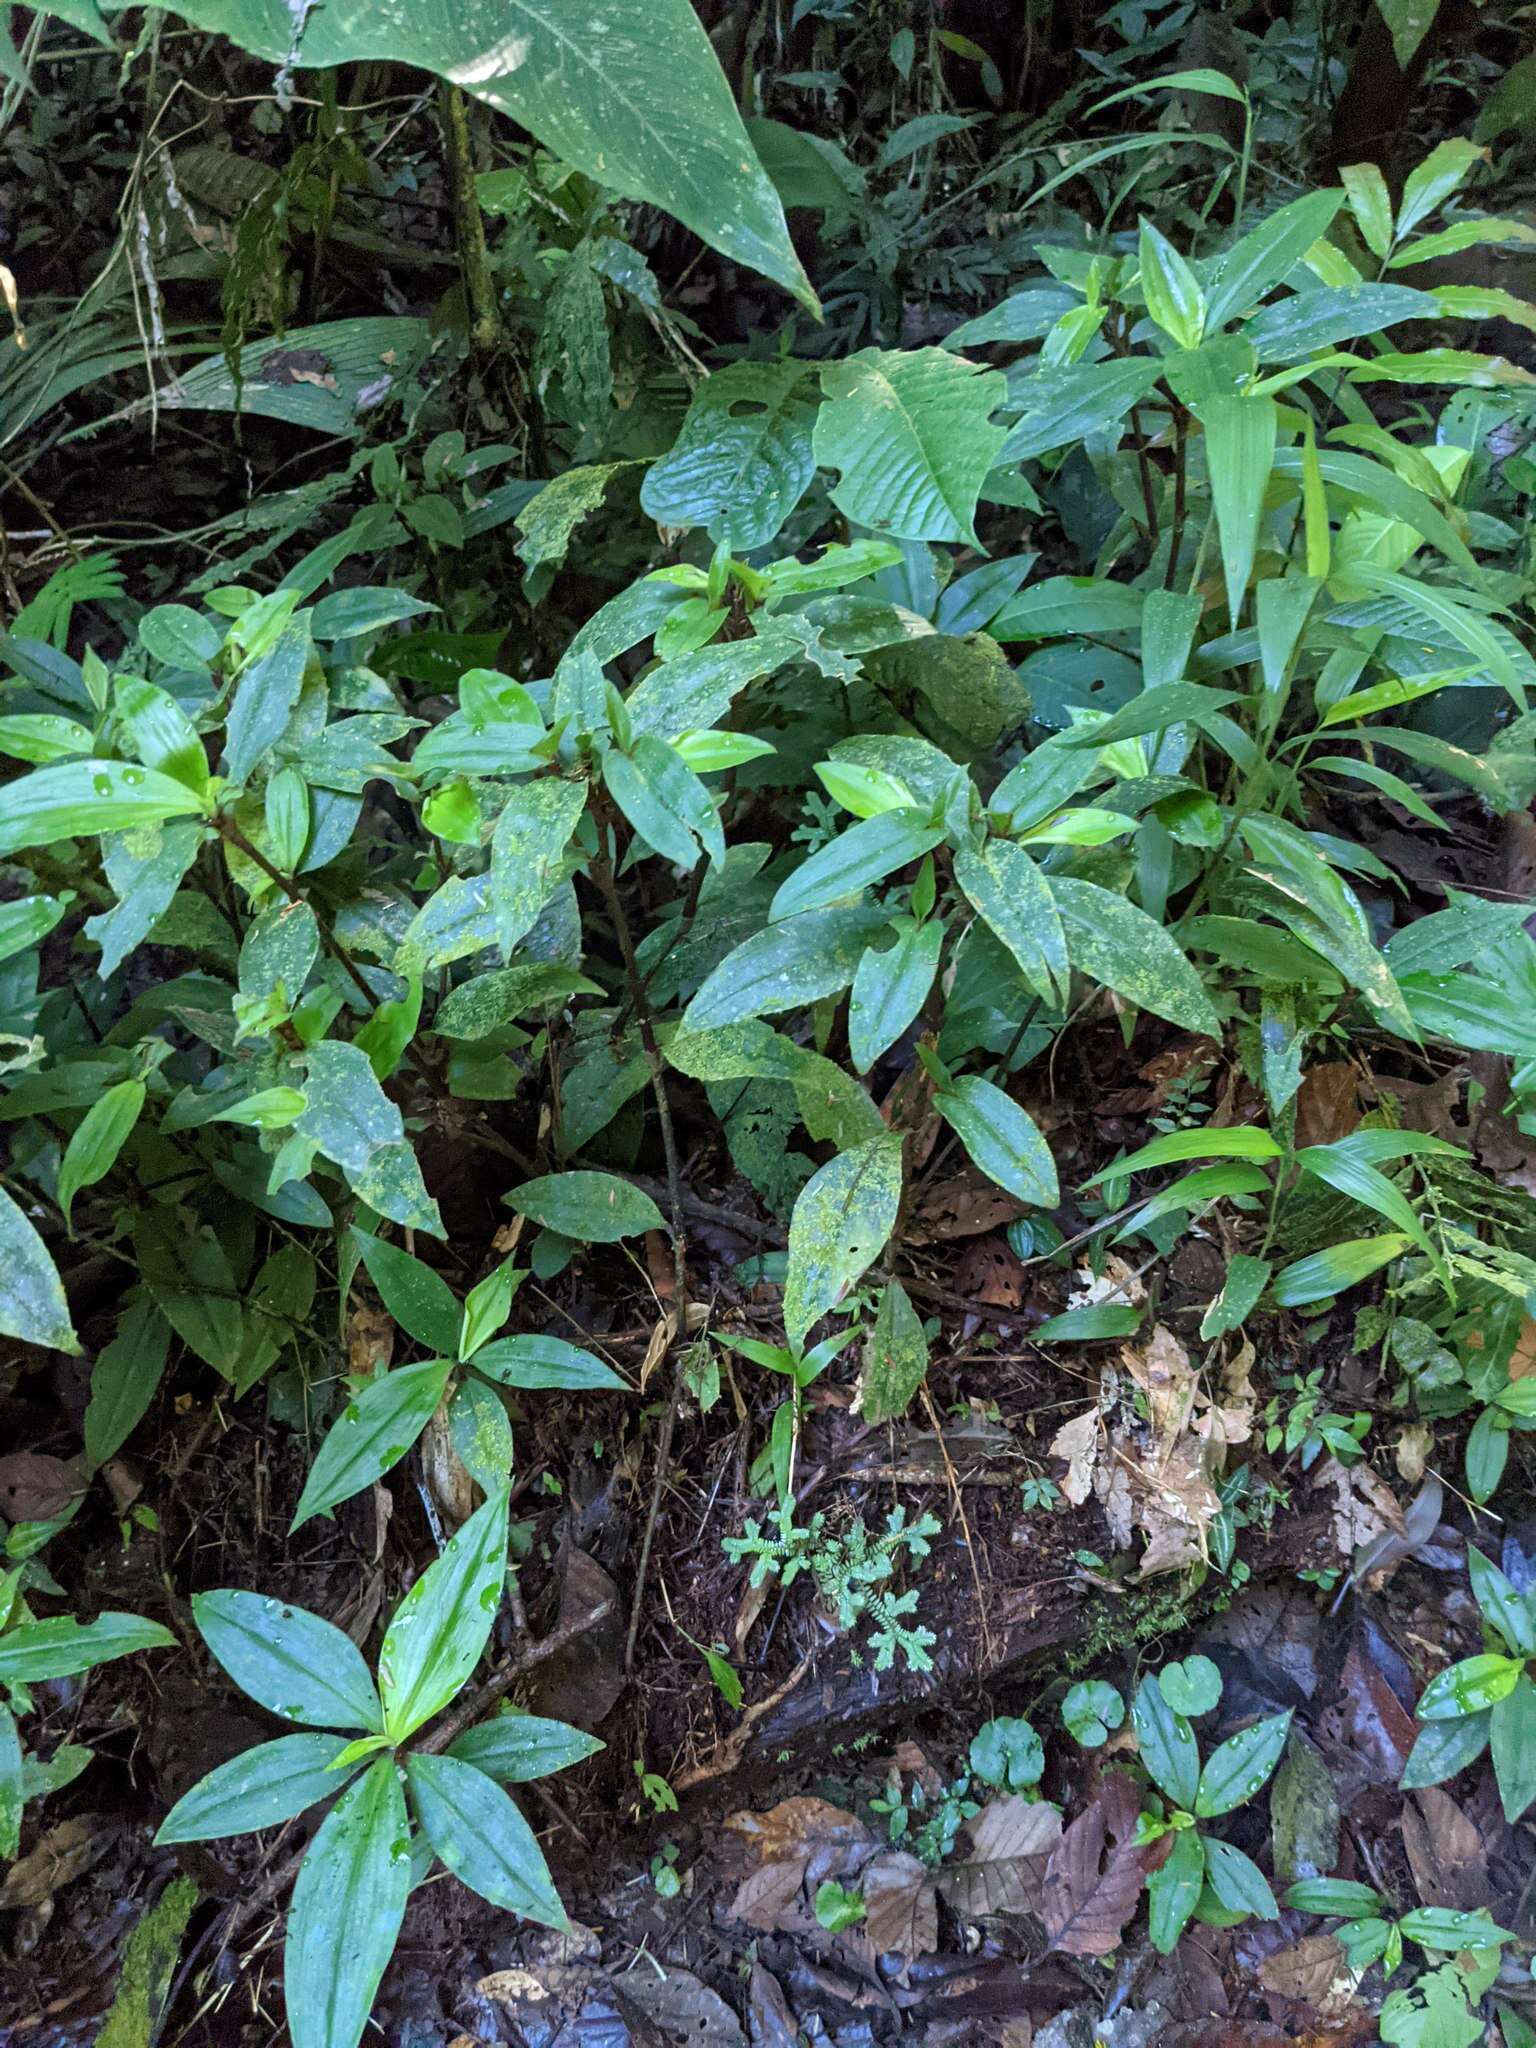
x=593, y=1208
x=372, y=1433
x=534, y=1362
x=513, y=1748
x=300, y=1667
x=348, y=1903
x=434, y=1640
x=258, y=1789
x=420, y=1300
x=482, y=1838
x=1239, y=1769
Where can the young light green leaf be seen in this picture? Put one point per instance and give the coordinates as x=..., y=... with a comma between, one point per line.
x=1265, y=256
x=78, y=799
x=100, y=1136
x=911, y=433
x=348, y=1903
x=482, y=1838
x=64, y=1647
x=1328, y=1272
x=434, y=1641
x=1001, y=1139
x=1173, y=294
x=1371, y=204
x=593, y=1208
x=1239, y=451
x=299, y=1666
x=373, y=1433
x=260, y=1788
x=1236, y=1141
x=487, y=1306
x=1468, y=1687
x=32, y=1304
x=1432, y=182
x=842, y=1218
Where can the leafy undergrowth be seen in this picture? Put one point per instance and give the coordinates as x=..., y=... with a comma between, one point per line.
x=767, y=1238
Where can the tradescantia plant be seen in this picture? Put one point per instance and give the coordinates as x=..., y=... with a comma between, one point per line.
x=401, y=1806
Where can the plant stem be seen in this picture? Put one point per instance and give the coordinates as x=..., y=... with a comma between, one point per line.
x=469, y=224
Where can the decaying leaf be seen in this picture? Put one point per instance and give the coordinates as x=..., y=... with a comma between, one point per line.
x=1003, y=1867
x=370, y=1340
x=1096, y=1871
x=1363, y=1506
x=1312, y=1972
x=798, y=1845
x=35, y=1488
x=901, y=1911
x=60, y=1857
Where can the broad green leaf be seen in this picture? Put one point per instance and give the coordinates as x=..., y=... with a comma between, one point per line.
x=911, y=434
x=1468, y=1687
x=1116, y=943
x=1512, y=1730
x=260, y=1788
x=479, y=1007
x=742, y=460
x=537, y=1362
x=64, y=1647
x=1294, y=328
x=352, y=1121
x=264, y=699
x=1240, y=1767
x=1432, y=182
x=1152, y=710
x=11, y=1790
x=189, y=1275
x=895, y=1358
x=348, y=1903
x=1001, y=1139
x=889, y=990
x=528, y=853
x=372, y=1433
x=100, y=1136
x=299, y=1666
x=32, y=1304
x=1172, y=290
x=867, y=792
x=592, y=1208
x=831, y=1103
x=146, y=868
x=1070, y=604
x=1323, y=1274
x=124, y=1379
x=1468, y=233
x=1193, y=1191
x=787, y=967
x=1510, y=1612
x=1173, y=1891
x=1166, y=1743
x=697, y=690
x=482, y=1838
x=420, y=1300
x=1019, y=904
x=842, y=1218
x=1245, y=1281
x=514, y=1747
x=1239, y=451
x=1444, y=1927
x=366, y=608
x=861, y=855
x=1238, y=279
x=1365, y=1184
x=161, y=734
x=635, y=99
x=1342, y=1897
x=1237, y=1141
x=1062, y=404
x=40, y=737
x=77, y=799
x=1092, y=1324
x=434, y=1640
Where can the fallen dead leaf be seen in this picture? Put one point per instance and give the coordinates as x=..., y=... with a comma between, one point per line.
x=963, y=1206
x=370, y=1340
x=798, y=1844
x=1079, y=1442
x=1118, y=1282
x=35, y=1488
x=1447, y=1855
x=60, y=1857
x=1314, y=1972
x=901, y=1908
x=1415, y=1441
x=1096, y=1871
x=1363, y=1506
x=447, y=1476
x=1327, y=1103
x=1003, y=1867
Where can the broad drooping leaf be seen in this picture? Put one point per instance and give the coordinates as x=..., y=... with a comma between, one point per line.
x=842, y=1218
x=348, y=1903
x=32, y=1304
x=298, y=1665
x=62, y=1647
x=628, y=91
x=350, y=1119
x=372, y=1434
x=895, y=1358
x=1118, y=944
x=527, y=849
x=595, y=1208
x=912, y=434
x=742, y=460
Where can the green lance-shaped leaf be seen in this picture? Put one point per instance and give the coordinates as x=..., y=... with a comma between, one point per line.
x=1328, y=1272
x=1173, y=1890
x=537, y=1362
x=11, y=1785
x=513, y=1748
x=98, y=1139
x=1019, y=904
x=742, y=460
x=912, y=434
x=124, y=1378
x=1002, y=1139
x=1239, y=1768
x=79, y=799
x=260, y=1788
x=1468, y=1687
x=527, y=852
x=895, y=1358
x=1172, y=290
x=32, y=1304
x=352, y=1121
x=1167, y=1745
x=298, y=1665
x=860, y=855
x=482, y=1838
x=889, y=989
x=64, y=1647
x=31, y=919
x=1116, y=943
x=1239, y=450
x=786, y=967
x=264, y=699
x=592, y=1208
x=629, y=91
x=348, y=1903
x=372, y=1433
x=420, y=1300
x=439, y=1629
x=841, y=1221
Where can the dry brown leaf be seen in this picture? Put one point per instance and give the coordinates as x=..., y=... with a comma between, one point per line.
x=1327, y=1103
x=901, y=1908
x=447, y=1476
x=1363, y=1506
x=1003, y=1870
x=370, y=1340
x=1415, y=1441
x=581, y=1682
x=1096, y=1871
x=35, y=1488
x=1445, y=1852
x=964, y=1206
x=1522, y=1360
x=799, y=1843
x=1119, y=1282
x=1312, y=1972
x=62, y=1854
x=1078, y=1441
